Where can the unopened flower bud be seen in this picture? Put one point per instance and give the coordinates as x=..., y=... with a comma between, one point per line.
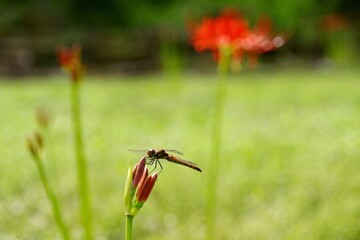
x=39, y=140
x=32, y=146
x=138, y=172
x=127, y=192
x=146, y=187
x=138, y=187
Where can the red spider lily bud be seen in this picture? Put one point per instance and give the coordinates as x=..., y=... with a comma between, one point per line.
x=143, y=178
x=138, y=187
x=146, y=187
x=138, y=172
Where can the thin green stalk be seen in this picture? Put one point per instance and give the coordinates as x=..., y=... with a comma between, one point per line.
x=53, y=200
x=212, y=184
x=50, y=154
x=85, y=210
x=128, y=227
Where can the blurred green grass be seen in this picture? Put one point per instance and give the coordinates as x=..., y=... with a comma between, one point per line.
x=289, y=161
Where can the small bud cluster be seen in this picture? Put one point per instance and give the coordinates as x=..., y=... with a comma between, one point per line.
x=139, y=185
x=35, y=144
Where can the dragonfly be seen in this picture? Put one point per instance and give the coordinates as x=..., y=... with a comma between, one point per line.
x=154, y=156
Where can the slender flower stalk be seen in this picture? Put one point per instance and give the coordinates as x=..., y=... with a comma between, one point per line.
x=228, y=37
x=220, y=101
x=35, y=146
x=222, y=36
x=137, y=190
x=85, y=208
x=70, y=60
x=128, y=227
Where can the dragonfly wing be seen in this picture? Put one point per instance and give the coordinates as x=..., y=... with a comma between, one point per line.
x=174, y=151
x=138, y=151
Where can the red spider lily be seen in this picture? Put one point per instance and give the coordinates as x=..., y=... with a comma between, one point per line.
x=260, y=40
x=224, y=31
x=70, y=60
x=230, y=31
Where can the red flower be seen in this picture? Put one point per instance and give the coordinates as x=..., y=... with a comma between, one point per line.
x=229, y=34
x=224, y=31
x=70, y=60
x=260, y=40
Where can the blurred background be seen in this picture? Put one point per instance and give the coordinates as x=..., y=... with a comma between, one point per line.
x=289, y=166
x=141, y=36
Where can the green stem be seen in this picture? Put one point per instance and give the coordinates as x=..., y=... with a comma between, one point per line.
x=51, y=155
x=53, y=200
x=85, y=211
x=212, y=184
x=128, y=227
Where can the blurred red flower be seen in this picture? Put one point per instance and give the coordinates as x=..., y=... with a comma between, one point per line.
x=224, y=31
x=231, y=32
x=260, y=40
x=70, y=60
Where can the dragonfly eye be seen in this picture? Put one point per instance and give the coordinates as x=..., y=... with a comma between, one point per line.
x=151, y=152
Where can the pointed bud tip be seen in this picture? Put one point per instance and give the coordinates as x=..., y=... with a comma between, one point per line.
x=142, y=161
x=154, y=176
x=135, y=170
x=140, y=172
x=31, y=146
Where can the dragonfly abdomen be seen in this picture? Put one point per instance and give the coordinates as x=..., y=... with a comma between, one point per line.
x=173, y=159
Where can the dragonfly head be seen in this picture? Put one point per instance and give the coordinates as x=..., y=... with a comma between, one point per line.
x=151, y=153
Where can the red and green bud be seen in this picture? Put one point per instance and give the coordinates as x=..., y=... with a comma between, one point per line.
x=146, y=187
x=138, y=172
x=138, y=187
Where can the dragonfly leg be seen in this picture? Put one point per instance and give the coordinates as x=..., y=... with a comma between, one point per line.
x=161, y=167
x=156, y=163
x=152, y=162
